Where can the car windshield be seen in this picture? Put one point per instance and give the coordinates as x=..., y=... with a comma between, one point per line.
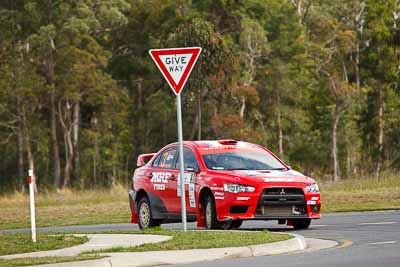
x=242, y=160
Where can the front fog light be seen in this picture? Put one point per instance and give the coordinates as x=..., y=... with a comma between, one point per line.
x=313, y=188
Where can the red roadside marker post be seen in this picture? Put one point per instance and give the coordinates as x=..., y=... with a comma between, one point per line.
x=175, y=65
x=32, y=204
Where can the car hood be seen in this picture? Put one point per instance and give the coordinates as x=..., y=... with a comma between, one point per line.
x=275, y=176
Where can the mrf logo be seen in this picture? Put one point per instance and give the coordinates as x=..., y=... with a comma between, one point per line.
x=160, y=177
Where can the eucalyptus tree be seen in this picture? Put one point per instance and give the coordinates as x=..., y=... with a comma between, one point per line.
x=381, y=68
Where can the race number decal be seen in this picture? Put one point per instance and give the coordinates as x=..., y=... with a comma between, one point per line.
x=189, y=179
x=192, y=199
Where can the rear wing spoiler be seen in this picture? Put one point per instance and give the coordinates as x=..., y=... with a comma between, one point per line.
x=144, y=158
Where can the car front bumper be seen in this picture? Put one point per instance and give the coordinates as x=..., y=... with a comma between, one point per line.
x=259, y=206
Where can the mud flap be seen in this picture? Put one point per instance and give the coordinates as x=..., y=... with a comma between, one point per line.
x=200, y=217
x=132, y=204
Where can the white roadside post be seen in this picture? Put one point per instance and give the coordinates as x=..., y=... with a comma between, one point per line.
x=32, y=204
x=176, y=64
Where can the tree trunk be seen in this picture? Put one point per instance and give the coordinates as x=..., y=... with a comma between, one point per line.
x=381, y=124
x=27, y=138
x=96, y=160
x=357, y=66
x=242, y=106
x=94, y=179
x=20, y=145
x=53, y=107
x=195, y=125
x=75, y=136
x=53, y=125
x=140, y=92
x=336, y=117
x=280, y=134
x=280, y=131
x=96, y=154
x=67, y=125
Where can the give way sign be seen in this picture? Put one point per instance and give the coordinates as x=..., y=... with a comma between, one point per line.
x=176, y=64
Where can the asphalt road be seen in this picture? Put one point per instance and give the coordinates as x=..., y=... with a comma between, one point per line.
x=368, y=239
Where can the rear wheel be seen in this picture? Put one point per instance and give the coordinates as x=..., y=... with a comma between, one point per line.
x=210, y=213
x=145, y=218
x=300, y=224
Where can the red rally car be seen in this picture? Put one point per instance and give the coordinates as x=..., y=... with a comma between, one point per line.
x=226, y=182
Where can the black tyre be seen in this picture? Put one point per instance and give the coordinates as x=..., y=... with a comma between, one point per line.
x=145, y=218
x=210, y=214
x=236, y=224
x=299, y=224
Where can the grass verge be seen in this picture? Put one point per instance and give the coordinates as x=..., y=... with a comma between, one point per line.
x=362, y=194
x=45, y=260
x=66, y=208
x=179, y=241
x=202, y=240
x=13, y=243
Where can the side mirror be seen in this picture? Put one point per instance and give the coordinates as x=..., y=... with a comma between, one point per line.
x=192, y=169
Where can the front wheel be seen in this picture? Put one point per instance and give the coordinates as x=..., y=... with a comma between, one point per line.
x=145, y=218
x=299, y=224
x=210, y=213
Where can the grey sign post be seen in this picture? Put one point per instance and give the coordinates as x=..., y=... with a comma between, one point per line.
x=181, y=163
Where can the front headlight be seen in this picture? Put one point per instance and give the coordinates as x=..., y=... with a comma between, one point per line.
x=313, y=188
x=238, y=188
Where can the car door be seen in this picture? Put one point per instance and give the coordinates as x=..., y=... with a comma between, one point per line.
x=163, y=178
x=191, y=168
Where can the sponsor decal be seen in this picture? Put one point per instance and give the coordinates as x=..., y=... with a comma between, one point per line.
x=242, y=198
x=160, y=177
x=311, y=202
x=314, y=198
x=192, y=197
x=160, y=187
x=219, y=198
x=188, y=178
x=216, y=188
x=221, y=194
x=220, y=147
x=271, y=180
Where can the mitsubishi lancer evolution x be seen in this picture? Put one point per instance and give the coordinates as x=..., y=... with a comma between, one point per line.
x=226, y=182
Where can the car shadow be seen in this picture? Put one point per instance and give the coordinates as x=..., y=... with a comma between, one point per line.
x=274, y=229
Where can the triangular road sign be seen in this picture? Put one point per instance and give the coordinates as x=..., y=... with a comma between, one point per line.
x=176, y=64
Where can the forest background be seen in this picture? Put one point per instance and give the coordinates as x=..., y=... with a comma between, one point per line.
x=315, y=81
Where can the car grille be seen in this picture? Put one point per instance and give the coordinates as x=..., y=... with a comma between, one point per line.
x=283, y=191
x=281, y=201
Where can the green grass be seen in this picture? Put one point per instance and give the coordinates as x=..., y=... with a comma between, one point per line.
x=362, y=194
x=13, y=243
x=45, y=260
x=180, y=241
x=202, y=239
x=111, y=206
x=66, y=208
